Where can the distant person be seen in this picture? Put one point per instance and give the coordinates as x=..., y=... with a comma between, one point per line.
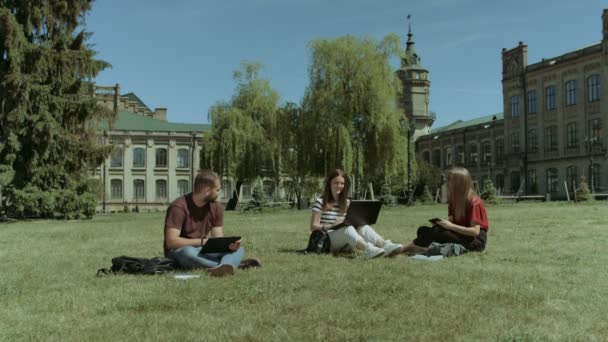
x=329, y=210
x=467, y=222
x=191, y=220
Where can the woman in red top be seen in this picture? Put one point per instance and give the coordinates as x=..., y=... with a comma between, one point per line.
x=467, y=222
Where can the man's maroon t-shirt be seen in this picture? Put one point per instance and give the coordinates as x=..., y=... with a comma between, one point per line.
x=475, y=213
x=194, y=222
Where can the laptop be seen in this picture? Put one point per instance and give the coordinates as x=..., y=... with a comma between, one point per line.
x=219, y=244
x=360, y=213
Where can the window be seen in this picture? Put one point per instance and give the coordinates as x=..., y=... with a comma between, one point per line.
x=551, y=138
x=139, y=157
x=532, y=141
x=183, y=187
x=550, y=97
x=182, y=158
x=515, y=105
x=515, y=182
x=531, y=181
x=426, y=156
x=500, y=181
x=571, y=93
x=161, y=157
x=552, y=182
x=161, y=189
x=460, y=155
x=486, y=153
x=500, y=150
x=594, y=178
x=593, y=88
x=571, y=178
x=116, y=158
x=116, y=189
x=532, y=101
x=268, y=186
x=515, y=142
x=473, y=154
x=437, y=158
x=448, y=156
x=140, y=189
x=595, y=127
x=571, y=131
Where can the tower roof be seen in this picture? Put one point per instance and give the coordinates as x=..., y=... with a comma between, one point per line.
x=410, y=59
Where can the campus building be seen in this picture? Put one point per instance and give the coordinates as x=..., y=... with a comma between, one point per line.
x=551, y=132
x=153, y=161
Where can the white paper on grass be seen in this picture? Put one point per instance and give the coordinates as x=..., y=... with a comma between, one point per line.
x=183, y=276
x=426, y=258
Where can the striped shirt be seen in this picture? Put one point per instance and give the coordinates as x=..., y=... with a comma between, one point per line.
x=328, y=216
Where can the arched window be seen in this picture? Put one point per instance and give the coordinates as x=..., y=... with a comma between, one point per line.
x=593, y=88
x=161, y=157
x=161, y=189
x=139, y=188
x=116, y=158
x=182, y=187
x=139, y=157
x=571, y=177
x=552, y=181
x=116, y=189
x=183, y=158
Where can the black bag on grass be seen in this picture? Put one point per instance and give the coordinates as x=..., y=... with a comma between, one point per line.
x=318, y=242
x=135, y=265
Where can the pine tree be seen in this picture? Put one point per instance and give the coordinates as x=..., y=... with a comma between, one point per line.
x=48, y=114
x=583, y=193
x=489, y=191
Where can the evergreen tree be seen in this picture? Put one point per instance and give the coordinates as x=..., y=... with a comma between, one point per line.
x=489, y=191
x=48, y=114
x=583, y=193
x=427, y=197
x=349, y=110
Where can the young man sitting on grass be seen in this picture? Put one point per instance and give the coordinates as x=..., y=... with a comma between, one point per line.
x=191, y=219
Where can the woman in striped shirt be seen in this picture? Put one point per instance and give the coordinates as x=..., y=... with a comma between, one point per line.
x=329, y=210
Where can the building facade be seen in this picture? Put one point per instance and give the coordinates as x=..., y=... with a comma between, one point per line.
x=153, y=161
x=551, y=132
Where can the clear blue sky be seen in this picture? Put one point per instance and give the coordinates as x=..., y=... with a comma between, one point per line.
x=181, y=54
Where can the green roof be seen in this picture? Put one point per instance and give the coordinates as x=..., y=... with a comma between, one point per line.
x=462, y=124
x=134, y=98
x=127, y=121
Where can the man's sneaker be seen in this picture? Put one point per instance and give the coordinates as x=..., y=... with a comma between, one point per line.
x=372, y=252
x=249, y=263
x=391, y=249
x=221, y=270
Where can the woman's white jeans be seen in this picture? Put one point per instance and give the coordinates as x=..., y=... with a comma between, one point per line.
x=345, y=239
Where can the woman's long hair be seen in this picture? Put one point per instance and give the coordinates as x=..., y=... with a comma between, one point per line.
x=328, y=198
x=460, y=190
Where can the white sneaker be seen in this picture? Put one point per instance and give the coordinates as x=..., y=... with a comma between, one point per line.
x=372, y=252
x=391, y=249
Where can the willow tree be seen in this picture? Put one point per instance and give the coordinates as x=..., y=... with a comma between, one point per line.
x=350, y=108
x=243, y=143
x=48, y=114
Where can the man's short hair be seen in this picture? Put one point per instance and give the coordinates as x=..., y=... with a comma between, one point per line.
x=205, y=178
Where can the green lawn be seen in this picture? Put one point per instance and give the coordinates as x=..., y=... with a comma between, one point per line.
x=543, y=276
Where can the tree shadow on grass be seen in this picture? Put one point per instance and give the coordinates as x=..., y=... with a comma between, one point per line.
x=347, y=255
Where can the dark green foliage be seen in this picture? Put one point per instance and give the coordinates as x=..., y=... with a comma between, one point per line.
x=386, y=195
x=259, y=199
x=428, y=175
x=49, y=114
x=427, y=196
x=582, y=192
x=489, y=191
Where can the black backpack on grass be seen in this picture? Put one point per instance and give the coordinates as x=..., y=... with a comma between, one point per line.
x=318, y=242
x=135, y=265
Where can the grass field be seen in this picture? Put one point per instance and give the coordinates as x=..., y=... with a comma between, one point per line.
x=543, y=276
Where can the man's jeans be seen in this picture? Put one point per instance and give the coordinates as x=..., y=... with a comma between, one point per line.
x=189, y=257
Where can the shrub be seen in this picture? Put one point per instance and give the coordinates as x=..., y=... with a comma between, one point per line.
x=583, y=193
x=489, y=191
x=386, y=196
x=427, y=196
